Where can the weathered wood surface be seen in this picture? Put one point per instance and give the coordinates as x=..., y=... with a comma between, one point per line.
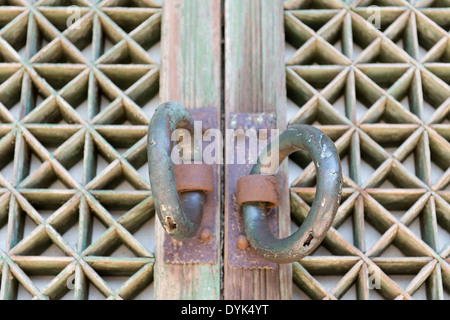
x=255, y=83
x=393, y=81
x=191, y=75
x=79, y=97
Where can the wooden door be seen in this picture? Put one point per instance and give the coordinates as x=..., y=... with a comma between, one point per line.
x=80, y=80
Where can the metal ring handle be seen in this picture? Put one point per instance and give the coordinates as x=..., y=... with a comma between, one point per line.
x=323, y=210
x=179, y=215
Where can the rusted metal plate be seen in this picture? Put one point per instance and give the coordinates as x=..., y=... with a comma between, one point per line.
x=70, y=106
x=246, y=258
x=198, y=250
x=258, y=188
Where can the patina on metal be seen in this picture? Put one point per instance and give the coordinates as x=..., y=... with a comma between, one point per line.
x=181, y=224
x=258, y=188
x=323, y=210
x=202, y=248
x=393, y=135
x=240, y=254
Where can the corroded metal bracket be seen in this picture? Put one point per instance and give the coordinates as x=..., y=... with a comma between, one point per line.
x=179, y=214
x=240, y=253
x=323, y=210
x=202, y=247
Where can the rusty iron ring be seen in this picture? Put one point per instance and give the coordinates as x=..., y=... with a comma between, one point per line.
x=180, y=215
x=323, y=210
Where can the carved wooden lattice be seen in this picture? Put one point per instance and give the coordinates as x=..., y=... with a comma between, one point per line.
x=76, y=99
x=383, y=95
x=80, y=99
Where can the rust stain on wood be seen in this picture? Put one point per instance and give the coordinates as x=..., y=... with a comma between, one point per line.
x=197, y=250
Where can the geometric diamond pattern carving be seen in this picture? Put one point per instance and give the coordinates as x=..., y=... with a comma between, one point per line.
x=79, y=99
x=75, y=99
x=383, y=96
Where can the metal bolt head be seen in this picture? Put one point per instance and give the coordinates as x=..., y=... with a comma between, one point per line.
x=242, y=242
x=206, y=235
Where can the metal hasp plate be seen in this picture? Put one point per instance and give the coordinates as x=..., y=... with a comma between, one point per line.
x=243, y=255
x=202, y=248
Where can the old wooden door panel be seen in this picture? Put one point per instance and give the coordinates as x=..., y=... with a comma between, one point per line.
x=254, y=84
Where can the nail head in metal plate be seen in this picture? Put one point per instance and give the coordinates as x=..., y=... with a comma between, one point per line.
x=246, y=258
x=202, y=248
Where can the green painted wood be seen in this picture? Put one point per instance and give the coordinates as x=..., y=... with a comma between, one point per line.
x=255, y=83
x=51, y=85
x=191, y=75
